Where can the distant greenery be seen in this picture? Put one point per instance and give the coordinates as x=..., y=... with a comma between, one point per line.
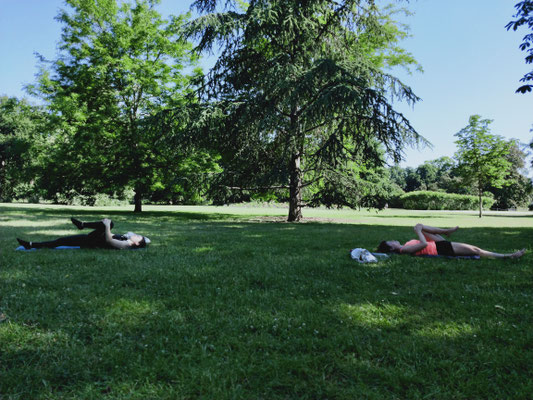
x=20, y=145
x=426, y=200
x=514, y=189
x=222, y=306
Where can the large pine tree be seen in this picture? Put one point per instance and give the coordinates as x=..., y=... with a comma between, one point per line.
x=299, y=91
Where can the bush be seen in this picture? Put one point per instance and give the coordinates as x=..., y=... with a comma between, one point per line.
x=73, y=198
x=425, y=200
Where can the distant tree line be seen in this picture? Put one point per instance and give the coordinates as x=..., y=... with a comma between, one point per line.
x=447, y=175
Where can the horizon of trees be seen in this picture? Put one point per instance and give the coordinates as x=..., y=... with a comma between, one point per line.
x=444, y=175
x=23, y=146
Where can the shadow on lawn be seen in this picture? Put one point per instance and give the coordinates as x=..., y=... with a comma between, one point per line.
x=264, y=310
x=31, y=213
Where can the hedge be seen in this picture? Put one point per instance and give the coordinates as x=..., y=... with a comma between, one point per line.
x=425, y=200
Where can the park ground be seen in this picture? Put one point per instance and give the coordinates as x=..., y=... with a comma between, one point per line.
x=235, y=303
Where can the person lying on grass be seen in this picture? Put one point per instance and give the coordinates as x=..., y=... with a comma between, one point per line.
x=430, y=242
x=100, y=238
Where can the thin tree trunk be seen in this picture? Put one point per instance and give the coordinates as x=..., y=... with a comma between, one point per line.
x=295, y=199
x=480, y=204
x=138, y=201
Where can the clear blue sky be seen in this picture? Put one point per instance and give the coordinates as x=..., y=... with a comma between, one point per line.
x=472, y=65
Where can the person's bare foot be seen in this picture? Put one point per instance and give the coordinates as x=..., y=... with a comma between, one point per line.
x=451, y=230
x=518, y=254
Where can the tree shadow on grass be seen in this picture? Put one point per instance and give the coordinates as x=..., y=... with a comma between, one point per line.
x=229, y=309
x=32, y=213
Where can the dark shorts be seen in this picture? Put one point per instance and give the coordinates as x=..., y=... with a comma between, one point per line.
x=444, y=248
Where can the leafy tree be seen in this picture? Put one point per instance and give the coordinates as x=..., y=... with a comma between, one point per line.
x=519, y=190
x=361, y=183
x=440, y=175
x=427, y=173
x=119, y=64
x=434, y=175
x=524, y=17
x=298, y=93
x=412, y=180
x=20, y=128
x=398, y=176
x=446, y=176
x=481, y=157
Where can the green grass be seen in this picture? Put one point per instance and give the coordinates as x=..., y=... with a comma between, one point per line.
x=229, y=303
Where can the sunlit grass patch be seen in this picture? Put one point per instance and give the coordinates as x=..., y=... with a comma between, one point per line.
x=375, y=315
x=453, y=330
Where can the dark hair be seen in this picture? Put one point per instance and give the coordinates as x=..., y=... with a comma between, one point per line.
x=384, y=248
x=142, y=243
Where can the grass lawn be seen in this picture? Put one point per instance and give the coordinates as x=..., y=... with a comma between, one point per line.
x=233, y=303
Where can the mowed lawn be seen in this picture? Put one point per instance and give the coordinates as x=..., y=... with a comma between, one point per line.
x=234, y=303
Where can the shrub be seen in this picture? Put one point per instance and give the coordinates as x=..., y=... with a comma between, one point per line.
x=425, y=200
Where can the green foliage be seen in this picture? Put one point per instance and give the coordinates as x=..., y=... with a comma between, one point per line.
x=519, y=189
x=219, y=307
x=20, y=139
x=524, y=17
x=119, y=64
x=298, y=94
x=434, y=175
x=188, y=182
x=441, y=175
x=427, y=200
x=481, y=157
x=359, y=185
x=74, y=198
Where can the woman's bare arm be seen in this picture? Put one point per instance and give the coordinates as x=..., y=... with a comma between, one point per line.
x=414, y=248
x=117, y=244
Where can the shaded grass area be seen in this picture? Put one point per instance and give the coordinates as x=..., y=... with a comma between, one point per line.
x=220, y=307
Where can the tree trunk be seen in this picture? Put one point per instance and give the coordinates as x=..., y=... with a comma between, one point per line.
x=480, y=204
x=138, y=201
x=295, y=199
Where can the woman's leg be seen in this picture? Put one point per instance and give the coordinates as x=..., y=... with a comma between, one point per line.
x=465, y=249
x=434, y=234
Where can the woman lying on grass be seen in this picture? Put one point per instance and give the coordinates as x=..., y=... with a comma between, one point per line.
x=101, y=237
x=430, y=242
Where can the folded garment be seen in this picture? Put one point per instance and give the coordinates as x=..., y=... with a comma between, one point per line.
x=364, y=256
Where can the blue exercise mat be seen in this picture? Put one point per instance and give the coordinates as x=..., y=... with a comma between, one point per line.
x=22, y=248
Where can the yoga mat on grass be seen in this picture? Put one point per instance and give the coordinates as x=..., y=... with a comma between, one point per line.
x=22, y=248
